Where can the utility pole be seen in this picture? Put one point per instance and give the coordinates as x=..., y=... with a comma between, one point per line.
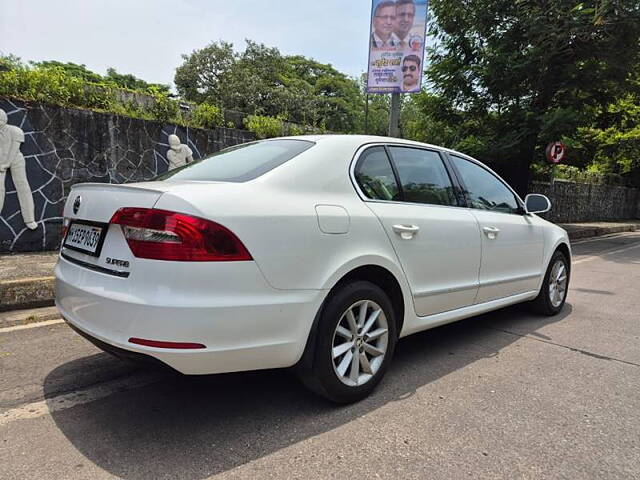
x=394, y=115
x=366, y=116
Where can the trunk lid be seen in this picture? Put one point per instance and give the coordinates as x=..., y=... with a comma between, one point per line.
x=99, y=201
x=93, y=205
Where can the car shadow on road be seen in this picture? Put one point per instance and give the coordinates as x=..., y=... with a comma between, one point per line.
x=194, y=427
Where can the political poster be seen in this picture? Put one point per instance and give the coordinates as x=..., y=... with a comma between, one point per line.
x=396, y=46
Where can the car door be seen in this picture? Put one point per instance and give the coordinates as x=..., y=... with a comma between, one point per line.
x=512, y=245
x=437, y=241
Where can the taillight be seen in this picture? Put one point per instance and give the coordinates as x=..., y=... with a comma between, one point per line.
x=164, y=235
x=65, y=227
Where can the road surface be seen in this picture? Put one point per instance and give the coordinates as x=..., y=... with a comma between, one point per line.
x=504, y=395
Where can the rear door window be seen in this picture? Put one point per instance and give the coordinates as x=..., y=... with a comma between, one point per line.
x=240, y=163
x=375, y=176
x=423, y=176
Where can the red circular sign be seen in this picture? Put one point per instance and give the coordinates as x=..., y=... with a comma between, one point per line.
x=556, y=152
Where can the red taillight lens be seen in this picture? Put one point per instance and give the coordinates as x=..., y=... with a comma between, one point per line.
x=164, y=235
x=65, y=227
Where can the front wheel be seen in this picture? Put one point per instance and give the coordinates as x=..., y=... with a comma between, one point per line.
x=355, y=341
x=553, y=292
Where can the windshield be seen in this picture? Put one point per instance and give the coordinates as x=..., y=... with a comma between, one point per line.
x=240, y=163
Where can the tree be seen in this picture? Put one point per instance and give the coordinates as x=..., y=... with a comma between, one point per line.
x=611, y=143
x=72, y=69
x=523, y=72
x=112, y=77
x=262, y=81
x=202, y=75
x=127, y=80
x=10, y=62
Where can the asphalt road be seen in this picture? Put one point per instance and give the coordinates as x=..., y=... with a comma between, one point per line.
x=503, y=395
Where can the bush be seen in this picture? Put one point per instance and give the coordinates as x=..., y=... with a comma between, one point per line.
x=206, y=115
x=264, y=127
x=164, y=109
x=294, y=130
x=56, y=86
x=51, y=85
x=545, y=172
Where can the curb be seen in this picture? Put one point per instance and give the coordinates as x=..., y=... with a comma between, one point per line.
x=24, y=293
x=588, y=232
x=25, y=317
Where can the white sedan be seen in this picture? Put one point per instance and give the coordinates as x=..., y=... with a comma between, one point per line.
x=317, y=252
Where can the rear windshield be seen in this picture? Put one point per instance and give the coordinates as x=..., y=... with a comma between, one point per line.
x=240, y=163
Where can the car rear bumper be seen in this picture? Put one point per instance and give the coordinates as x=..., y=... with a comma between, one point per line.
x=243, y=322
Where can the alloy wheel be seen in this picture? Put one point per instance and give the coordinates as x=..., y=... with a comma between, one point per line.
x=360, y=343
x=557, y=283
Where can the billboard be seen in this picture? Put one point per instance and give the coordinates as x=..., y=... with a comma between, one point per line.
x=396, y=46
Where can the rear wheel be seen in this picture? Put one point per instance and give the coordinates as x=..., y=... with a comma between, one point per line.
x=553, y=292
x=355, y=342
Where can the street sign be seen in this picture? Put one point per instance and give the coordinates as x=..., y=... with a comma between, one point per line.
x=556, y=152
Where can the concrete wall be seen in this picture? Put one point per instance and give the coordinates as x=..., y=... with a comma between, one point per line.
x=64, y=146
x=583, y=202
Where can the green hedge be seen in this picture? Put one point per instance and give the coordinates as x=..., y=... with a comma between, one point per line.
x=544, y=172
x=54, y=85
x=269, y=127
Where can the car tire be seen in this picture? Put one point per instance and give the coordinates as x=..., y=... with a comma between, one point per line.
x=553, y=292
x=333, y=349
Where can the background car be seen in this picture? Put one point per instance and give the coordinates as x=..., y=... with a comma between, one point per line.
x=317, y=252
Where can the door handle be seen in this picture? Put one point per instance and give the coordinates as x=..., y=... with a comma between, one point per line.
x=406, y=231
x=491, y=232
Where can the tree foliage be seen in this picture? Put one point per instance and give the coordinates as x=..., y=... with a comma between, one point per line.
x=262, y=81
x=72, y=86
x=112, y=77
x=511, y=76
x=127, y=80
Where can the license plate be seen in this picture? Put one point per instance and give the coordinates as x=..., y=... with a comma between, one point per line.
x=85, y=238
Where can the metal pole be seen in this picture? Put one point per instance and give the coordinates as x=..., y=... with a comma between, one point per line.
x=394, y=115
x=366, y=116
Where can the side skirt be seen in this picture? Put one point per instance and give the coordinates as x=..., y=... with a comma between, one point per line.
x=419, y=324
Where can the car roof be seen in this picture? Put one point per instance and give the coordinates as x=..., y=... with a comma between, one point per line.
x=358, y=140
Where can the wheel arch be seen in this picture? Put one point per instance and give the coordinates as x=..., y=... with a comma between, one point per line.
x=564, y=248
x=382, y=276
x=561, y=243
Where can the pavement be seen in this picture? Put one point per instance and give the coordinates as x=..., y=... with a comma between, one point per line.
x=504, y=395
x=26, y=280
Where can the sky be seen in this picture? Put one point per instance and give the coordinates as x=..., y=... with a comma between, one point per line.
x=148, y=37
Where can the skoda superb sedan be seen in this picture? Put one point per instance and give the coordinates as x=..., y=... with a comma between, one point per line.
x=317, y=252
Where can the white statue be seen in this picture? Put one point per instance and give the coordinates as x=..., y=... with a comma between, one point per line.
x=12, y=159
x=179, y=154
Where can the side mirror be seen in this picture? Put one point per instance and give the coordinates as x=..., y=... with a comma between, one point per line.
x=535, y=203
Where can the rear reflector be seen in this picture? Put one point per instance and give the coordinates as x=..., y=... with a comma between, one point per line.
x=159, y=344
x=164, y=235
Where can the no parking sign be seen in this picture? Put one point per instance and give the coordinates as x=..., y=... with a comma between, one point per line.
x=556, y=152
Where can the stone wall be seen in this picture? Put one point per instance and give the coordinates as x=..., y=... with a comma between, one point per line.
x=584, y=202
x=65, y=146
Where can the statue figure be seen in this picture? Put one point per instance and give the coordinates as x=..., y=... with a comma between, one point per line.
x=12, y=159
x=179, y=154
